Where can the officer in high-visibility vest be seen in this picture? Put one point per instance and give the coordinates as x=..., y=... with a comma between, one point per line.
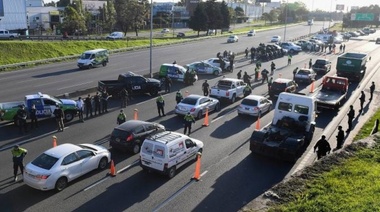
x=18, y=154
x=247, y=90
x=189, y=119
x=160, y=105
x=178, y=96
x=121, y=118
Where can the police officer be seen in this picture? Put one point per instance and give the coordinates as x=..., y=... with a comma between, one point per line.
x=205, y=88
x=97, y=103
x=247, y=78
x=340, y=138
x=58, y=113
x=124, y=95
x=33, y=117
x=351, y=116
x=21, y=116
x=105, y=97
x=168, y=84
x=246, y=53
x=362, y=100
x=80, y=106
x=270, y=81
x=322, y=147
x=239, y=74
x=18, y=155
x=160, y=105
x=88, y=105
x=264, y=74
x=247, y=90
x=189, y=119
x=121, y=118
x=372, y=89
x=272, y=68
x=192, y=76
x=290, y=59
x=295, y=72
x=178, y=97
x=310, y=63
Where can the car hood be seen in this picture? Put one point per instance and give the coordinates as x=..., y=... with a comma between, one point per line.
x=151, y=80
x=98, y=148
x=68, y=102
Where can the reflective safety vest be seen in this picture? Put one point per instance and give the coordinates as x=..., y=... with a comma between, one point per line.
x=189, y=118
x=160, y=99
x=121, y=117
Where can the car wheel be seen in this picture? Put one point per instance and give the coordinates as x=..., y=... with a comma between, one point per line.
x=216, y=73
x=154, y=92
x=104, y=63
x=136, y=148
x=61, y=184
x=103, y=163
x=90, y=66
x=199, y=115
x=217, y=107
x=228, y=69
x=172, y=172
x=233, y=99
x=69, y=115
x=291, y=51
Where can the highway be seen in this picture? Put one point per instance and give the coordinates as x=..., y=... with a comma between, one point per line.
x=231, y=175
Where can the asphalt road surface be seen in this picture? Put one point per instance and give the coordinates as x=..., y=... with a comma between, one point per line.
x=231, y=175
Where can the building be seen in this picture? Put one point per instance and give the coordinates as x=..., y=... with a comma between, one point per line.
x=13, y=15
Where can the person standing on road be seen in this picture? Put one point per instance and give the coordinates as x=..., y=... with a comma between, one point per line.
x=310, y=63
x=189, y=119
x=272, y=68
x=351, y=116
x=105, y=97
x=239, y=74
x=372, y=89
x=160, y=105
x=168, y=84
x=247, y=79
x=21, y=117
x=340, y=138
x=344, y=48
x=121, y=118
x=97, y=103
x=290, y=59
x=362, y=100
x=247, y=90
x=295, y=72
x=124, y=95
x=178, y=97
x=80, y=106
x=33, y=117
x=88, y=105
x=246, y=53
x=58, y=113
x=322, y=147
x=18, y=155
x=205, y=88
x=270, y=83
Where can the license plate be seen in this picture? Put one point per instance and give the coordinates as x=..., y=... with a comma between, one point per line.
x=247, y=108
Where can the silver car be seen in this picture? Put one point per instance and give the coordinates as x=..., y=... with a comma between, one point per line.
x=196, y=105
x=216, y=62
x=254, y=105
x=204, y=68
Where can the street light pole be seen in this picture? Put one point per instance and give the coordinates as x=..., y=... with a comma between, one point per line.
x=286, y=19
x=330, y=13
x=151, y=39
x=312, y=5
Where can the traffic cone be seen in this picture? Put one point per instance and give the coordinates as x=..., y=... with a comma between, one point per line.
x=258, y=123
x=205, y=123
x=54, y=141
x=197, y=173
x=135, y=116
x=312, y=87
x=186, y=93
x=112, y=169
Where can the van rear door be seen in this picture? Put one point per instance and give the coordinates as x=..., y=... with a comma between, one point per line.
x=152, y=156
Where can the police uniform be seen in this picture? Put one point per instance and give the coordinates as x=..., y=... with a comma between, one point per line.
x=121, y=118
x=21, y=116
x=18, y=155
x=160, y=105
x=178, y=97
x=189, y=119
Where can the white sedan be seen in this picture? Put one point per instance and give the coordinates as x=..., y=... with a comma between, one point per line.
x=61, y=164
x=254, y=105
x=204, y=68
x=196, y=105
x=276, y=39
x=251, y=33
x=216, y=62
x=232, y=39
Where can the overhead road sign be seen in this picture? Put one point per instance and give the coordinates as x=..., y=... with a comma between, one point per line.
x=362, y=17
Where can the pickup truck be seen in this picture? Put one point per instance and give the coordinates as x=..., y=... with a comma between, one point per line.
x=333, y=92
x=290, y=131
x=5, y=34
x=321, y=66
x=45, y=105
x=352, y=66
x=228, y=88
x=133, y=83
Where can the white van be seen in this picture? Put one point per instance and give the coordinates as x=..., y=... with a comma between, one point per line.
x=93, y=58
x=165, y=152
x=115, y=36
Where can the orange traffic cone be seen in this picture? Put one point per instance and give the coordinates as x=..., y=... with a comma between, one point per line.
x=197, y=173
x=205, y=123
x=54, y=141
x=312, y=87
x=112, y=169
x=135, y=116
x=258, y=123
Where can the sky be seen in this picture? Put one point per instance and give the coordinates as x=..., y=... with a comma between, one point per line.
x=325, y=5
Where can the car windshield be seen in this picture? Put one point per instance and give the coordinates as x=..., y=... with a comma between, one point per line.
x=320, y=62
x=249, y=102
x=190, y=101
x=45, y=161
x=278, y=85
x=232, y=36
x=118, y=133
x=303, y=72
x=85, y=56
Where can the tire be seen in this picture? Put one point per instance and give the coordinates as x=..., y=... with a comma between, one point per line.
x=90, y=66
x=291, y=51
x=103, y=163
x=154, y=92
x=233, y=99
x=104, y=63
x=228, y=69
x=199, y=115
x=61, y=184
x=217, y=107
x=216, y=73
x=136, y=149
x=69, y=116
x=172, y=172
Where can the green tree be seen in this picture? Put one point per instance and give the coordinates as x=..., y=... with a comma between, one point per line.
x=50, y=4
x=73, y=21
x=122, y=17
x=109, y=15
x=226, y=17
x=198, y=22
x=215, y=18
x=63, y=3
x=266, y=17
x=137, y=13
x=240, y=16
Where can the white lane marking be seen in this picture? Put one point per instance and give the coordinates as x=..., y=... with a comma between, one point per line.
x=97, y=183
x=214, y=120
x=203, y=173
x=127, y=167
x=53, y=82
x=23, y=81
x=75, y=85
x=30, y=139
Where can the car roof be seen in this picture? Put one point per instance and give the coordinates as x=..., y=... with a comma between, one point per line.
x=131, y=124
x=230, y=79
x=165, y=137
x=254, y=97
x=62, y=150
x=37, y=96
x=94, y=51
x=282, y=80
x=194, y=96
